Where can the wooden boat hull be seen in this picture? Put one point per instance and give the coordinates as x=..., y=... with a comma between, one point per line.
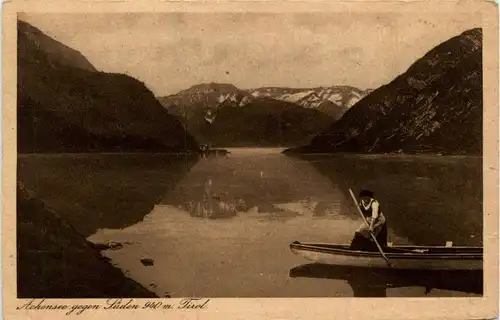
x=401, y=257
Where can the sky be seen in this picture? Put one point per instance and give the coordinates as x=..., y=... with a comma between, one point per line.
x=170, y=52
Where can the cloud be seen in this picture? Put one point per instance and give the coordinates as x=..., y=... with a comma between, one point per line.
x=172, y=51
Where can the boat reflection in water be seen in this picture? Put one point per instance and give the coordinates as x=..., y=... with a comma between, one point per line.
x=369, y=282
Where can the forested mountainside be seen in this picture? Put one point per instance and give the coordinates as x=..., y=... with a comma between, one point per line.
x=65, y=105
x=215, y=112
x=435, y=106
x=263, y=122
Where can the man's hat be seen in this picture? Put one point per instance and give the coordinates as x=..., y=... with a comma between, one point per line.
x=366, y=193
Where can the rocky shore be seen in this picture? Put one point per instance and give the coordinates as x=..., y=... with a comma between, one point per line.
x=55, y=261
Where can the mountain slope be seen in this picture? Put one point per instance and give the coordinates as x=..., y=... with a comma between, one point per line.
x=334, y=100
x=64, y=105
x=262, y=122
x=56, y=53
x=223, y=115
x=207, y=97
x=435, y=106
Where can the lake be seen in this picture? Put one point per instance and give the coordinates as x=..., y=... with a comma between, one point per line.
x=221, y=226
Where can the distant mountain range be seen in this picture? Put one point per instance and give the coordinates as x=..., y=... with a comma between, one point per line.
x=220, y=114
x=333, y=101
x=66, y=105
x=435, y=106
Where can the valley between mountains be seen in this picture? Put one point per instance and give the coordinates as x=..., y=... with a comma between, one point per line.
x=65, y=105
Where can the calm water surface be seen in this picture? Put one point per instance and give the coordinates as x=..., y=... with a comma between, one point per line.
x=263, y=200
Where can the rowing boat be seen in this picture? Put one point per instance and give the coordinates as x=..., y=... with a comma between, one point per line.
x=401, y=257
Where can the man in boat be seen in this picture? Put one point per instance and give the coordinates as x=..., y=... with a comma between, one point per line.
x=370, y=208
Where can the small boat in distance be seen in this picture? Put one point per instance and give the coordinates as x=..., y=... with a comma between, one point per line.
x=207, y=150
x=401, y=257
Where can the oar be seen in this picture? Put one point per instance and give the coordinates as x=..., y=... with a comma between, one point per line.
x=371, y=233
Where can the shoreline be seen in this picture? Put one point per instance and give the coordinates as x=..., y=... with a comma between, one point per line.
x=387, y=156
x=212, y=262
x=303, y=151
x=143, y=179
x=284, y=151
x=61, y=252
x=48, y=154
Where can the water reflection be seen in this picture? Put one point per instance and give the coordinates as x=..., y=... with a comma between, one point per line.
x=425, y=199
x=207, y=151
x=309, y=201
x=369, y=282
x=269, y=184
x=95, y=191
x=213, y=206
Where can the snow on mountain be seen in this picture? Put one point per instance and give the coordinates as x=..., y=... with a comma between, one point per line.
x=334, y=100
x=208, y=97
x=294, y=97
x=343, y=97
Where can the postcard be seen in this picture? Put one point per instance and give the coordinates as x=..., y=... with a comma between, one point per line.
x=250, y=159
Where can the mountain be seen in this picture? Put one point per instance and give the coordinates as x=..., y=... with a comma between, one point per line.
x=261, y=122
x=211, y=110
x=66, y=105
x=435, y=106
x=334, y=100
x=56, y=53
x=223, y=115
x=207, y=97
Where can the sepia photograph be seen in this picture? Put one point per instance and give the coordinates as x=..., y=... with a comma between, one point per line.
x=169, y=155
x=199, y=161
